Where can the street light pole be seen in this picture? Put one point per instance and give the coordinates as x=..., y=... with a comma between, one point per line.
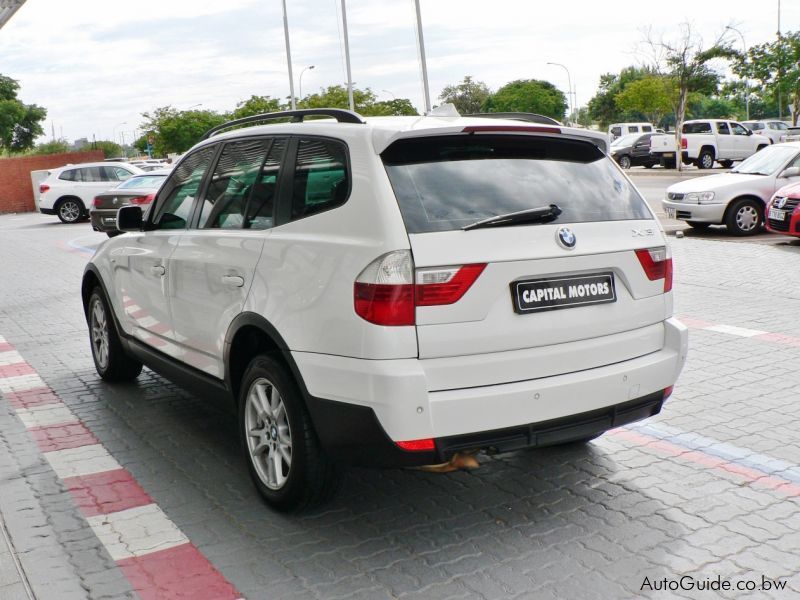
x=569, y=83
x=288, y=57
x=347, y=58
x=300, y=86
x=114, y=131
x=426, y=92
x=746, y=82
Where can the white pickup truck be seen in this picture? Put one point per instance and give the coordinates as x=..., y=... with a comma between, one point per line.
x=704, y=141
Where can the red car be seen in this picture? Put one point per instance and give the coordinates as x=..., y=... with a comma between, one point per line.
x=783, y=211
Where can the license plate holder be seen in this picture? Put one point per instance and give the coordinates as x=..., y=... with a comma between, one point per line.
x=671, y=213
x=554, y=293
x=777, y=214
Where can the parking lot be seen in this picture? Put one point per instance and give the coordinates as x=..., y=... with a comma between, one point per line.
x=700, y=501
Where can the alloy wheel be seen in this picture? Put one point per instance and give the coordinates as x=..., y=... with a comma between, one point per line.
x=269, y=436
x=99, y=326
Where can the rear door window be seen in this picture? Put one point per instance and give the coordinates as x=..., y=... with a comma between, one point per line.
x=444, y=183
x=702, y=127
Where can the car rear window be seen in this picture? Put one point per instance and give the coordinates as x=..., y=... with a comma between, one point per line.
x=444, y=183
x=703, y=127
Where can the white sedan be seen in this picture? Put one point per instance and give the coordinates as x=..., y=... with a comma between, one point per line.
x=735, y=199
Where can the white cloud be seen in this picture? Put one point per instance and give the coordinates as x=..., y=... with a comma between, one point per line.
x=94, y=64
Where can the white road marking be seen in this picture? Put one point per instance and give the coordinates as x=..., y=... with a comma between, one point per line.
x=732, y=330
x=84, y=460
x=136, y=531
x=10, y=357
x=20, y=383
x=45, y=415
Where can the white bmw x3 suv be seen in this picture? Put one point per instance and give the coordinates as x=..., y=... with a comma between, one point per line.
x=392, y=291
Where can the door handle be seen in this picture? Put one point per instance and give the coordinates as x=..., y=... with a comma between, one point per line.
x=233, y=280
x=158, y=270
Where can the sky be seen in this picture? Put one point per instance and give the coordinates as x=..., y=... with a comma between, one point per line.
x=96, y=65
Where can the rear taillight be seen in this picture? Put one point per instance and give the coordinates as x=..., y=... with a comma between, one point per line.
x=96, y=202
x=386, y=292
x=139, y=200
x=667, y=392
x=684, y=144
x=657, y=264
x=436, y=287
x=43, y=187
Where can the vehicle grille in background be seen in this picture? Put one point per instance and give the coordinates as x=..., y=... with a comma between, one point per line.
x=683, y=214
x=674, y=196
x=791, y=204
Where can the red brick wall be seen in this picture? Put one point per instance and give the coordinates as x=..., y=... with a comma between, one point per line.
x=16, y=191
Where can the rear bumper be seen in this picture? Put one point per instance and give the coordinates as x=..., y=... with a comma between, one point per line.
x=47, y=211
x=103, y=219
x=392, y=397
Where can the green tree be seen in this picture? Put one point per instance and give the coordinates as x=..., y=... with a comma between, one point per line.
x=650, y=96
x=20, y=123
x=395, y=107
x=776, y=66
x=528, y=95
x=177, y=131
x=53, y=147
x=110, y=149
x=366, y=102
x=603, y=106
x=468, y=96
x=685, y=62
x=257, y=105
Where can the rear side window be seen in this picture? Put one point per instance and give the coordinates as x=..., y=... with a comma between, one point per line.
x=320, y=178
x=633, y=129
x=445, y=183
x=703, y=127
x=69, y=175
x=647, y=128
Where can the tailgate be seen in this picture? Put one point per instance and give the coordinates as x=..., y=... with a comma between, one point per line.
x=490, y=318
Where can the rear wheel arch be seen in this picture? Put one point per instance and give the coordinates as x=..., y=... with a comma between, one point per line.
x=249, y=335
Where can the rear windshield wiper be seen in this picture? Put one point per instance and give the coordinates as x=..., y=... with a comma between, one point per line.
x=540, y=214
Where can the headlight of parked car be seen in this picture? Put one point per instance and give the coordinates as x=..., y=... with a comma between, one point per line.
x=700, y=197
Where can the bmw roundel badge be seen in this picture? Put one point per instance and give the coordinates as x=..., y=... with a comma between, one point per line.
x=566, y=238
x=780, y=202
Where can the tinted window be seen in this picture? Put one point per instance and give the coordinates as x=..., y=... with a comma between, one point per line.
x=633, y=129
x=231, y=183
x=260, y=206
x=702, y=127
x=647, y=128
x=616, y=131
x=92, y=174
x=142, y=181
x=320, y=177
x=722, y=128
x=445, y=183
x=68, y=175
x=177, y=196
x=755, y=126
x=738, y=129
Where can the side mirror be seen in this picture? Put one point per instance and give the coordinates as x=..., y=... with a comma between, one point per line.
x=749, y=132
x=790, y=172
x=130, y=218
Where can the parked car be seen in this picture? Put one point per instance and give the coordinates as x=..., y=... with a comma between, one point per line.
x=633, y=150
x=617, y=130
x=735, y=199
x=138, y=190
x=68, y=191
x=704, y=141
x=392, y=291
x=783, y=211
x=773, y=129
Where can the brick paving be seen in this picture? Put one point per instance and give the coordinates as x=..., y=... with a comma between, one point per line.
x=708, y=488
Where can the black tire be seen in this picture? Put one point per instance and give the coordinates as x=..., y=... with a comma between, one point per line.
x=668, y=163
x=625, y=161
x=286, y=463
x=70, y=210
x=649, y=165
x=705, y=160
x=113, y=233
x=110, y=360
x=744, y=217
x=726, y=164
x=698, y=226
